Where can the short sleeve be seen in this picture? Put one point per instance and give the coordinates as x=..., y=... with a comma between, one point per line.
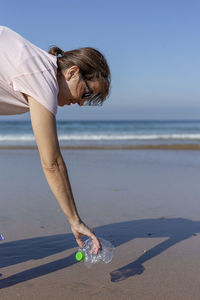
x=41, y=85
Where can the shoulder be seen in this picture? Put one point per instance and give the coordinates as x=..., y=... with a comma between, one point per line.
x=25, y=52
x=8, y=34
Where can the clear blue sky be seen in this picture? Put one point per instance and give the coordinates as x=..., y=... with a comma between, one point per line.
x=152, y=47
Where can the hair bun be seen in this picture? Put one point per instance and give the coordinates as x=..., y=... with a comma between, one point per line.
x=55, y=51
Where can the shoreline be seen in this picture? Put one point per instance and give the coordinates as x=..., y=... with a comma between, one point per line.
x=195, y=147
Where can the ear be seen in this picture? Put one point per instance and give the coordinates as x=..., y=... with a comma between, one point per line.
x=72, y=72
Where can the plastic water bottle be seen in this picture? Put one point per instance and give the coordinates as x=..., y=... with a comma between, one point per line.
x=105, y=255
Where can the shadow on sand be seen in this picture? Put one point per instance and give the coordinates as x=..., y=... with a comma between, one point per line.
x=174, y=229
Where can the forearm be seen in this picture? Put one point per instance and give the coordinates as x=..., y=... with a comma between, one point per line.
x=58, y=180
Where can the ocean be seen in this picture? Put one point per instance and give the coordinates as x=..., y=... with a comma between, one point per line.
x=100, y=133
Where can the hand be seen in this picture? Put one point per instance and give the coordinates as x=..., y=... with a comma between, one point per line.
x=79, y=229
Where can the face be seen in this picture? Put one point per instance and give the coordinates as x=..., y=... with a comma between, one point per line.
x=72, y=88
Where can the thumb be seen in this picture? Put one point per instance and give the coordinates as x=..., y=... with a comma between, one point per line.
x=79, y=241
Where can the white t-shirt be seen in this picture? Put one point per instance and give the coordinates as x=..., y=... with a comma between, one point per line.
x=25, y=69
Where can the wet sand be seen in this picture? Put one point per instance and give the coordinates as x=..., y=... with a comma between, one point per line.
x=145, y=202
x=115, y=147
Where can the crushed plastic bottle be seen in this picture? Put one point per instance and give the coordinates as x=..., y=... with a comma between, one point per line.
x=105, y=255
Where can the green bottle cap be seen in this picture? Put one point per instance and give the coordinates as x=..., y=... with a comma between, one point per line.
x=80, y=256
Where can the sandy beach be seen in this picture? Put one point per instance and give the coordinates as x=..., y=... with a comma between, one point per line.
x=145, y=202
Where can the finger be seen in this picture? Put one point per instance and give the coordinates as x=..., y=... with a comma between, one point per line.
x=79, y=242
x=96, y=244
x=94, y=250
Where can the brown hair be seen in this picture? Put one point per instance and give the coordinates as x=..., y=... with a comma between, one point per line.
x=92, y=65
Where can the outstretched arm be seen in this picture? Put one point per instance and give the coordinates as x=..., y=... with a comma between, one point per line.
x=44, y=128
